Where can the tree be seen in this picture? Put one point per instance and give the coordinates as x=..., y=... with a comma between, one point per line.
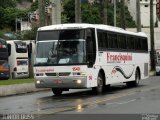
x=69, y=10
x=104, y=4
x=92, y=11
x=41, y=7
x=34, y=6
x=78, y=11
x=8, y=3
x=152, y=54
x=8, y=14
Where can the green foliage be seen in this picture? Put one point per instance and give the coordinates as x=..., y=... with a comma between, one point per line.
x=8, y=16
x=92, y=13
x=9, y=12
x=69, y=10
x=130, y=23
x=34, y=6
x=64, y=18
x=20, y=1
x=15, y=81
x=8, y=3
x=28, y=34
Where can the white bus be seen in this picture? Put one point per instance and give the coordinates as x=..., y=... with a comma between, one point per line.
x=72, y=56
x=18, y=59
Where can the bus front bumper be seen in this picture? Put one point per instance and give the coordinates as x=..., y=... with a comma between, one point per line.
x=61, y=82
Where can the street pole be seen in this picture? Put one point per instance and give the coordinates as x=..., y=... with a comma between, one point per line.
x=115, y=13
x=16, y=24
x=138, y=16
x=152, y=54
x=78, y=11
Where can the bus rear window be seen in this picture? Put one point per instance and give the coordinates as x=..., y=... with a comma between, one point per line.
x=21, y=47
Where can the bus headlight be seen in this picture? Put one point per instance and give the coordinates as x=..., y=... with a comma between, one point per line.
x=79, y=81
x=83, y=73
x=38, y=82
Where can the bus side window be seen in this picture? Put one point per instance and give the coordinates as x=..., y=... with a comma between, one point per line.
x=9, y=49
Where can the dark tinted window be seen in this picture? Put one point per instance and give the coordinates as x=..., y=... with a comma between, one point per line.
x=102, y=39
x=130, y=42
x=144, y=44
x=21, y=47
x=48, y=35
x=71, y=34
x=112, y=40
x=61, y=35
x=121, y=41
x=138, y=44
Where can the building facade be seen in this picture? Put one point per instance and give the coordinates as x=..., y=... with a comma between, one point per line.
x=145, y=11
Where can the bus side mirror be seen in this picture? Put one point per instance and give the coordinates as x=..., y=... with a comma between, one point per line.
x=9, y=49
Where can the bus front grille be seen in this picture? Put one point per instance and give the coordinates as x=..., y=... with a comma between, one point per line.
x=58, y=74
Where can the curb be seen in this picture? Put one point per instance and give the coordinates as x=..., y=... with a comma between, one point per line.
x=16, y=89
x=152, y=73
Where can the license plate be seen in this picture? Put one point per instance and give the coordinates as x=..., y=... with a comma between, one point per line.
x=57, y=81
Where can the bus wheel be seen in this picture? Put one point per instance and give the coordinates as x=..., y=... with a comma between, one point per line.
x=57, y=92
x=134, y=83
x=100, y=85
x=137, y=78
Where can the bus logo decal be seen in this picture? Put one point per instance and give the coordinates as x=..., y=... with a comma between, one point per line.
x=76, y=68
x=90, y=77
x=119, y=69
x=118, y=58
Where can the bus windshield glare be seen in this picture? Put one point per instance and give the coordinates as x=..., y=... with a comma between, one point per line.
x=61, y=47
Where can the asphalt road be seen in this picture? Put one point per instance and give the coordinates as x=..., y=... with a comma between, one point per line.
x=118, y=102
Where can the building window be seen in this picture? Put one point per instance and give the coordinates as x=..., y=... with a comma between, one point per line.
x=145, y=5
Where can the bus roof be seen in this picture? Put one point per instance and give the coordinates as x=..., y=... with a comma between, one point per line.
x=85, y=25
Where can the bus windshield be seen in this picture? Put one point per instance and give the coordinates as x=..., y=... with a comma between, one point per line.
x=67, y=47
x=3, y=50
x=3, y=46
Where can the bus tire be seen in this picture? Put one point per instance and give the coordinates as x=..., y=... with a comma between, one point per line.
x=135, y=83
x=57, y=92
x=100, y=85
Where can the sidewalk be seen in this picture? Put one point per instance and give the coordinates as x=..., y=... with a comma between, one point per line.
x=7, y=90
